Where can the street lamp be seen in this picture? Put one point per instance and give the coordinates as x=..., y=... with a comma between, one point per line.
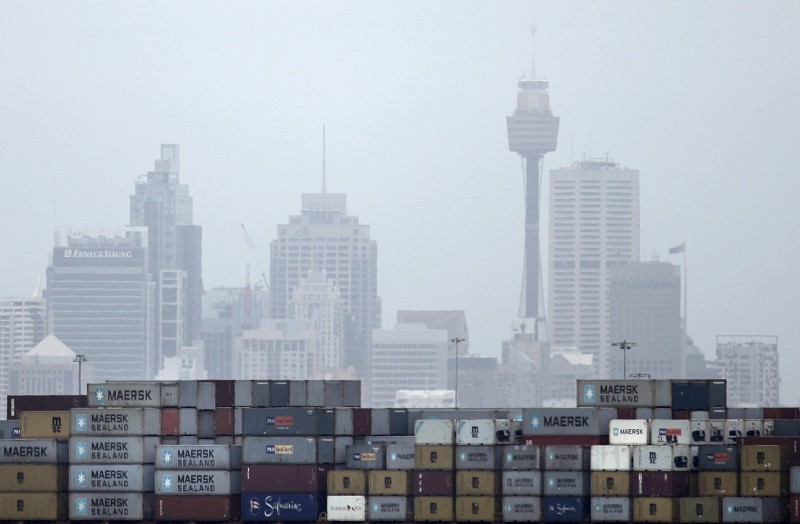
x=80, y=359
x=457, y=341
x=624, y=346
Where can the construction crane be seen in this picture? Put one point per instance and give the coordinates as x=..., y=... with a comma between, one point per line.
x=252, y=246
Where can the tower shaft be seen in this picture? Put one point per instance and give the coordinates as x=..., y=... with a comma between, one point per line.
x=532, y=256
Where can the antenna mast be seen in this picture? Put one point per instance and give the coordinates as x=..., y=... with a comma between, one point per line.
x=324, y=183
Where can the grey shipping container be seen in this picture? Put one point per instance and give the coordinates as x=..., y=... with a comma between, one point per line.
x=334, y=393
x=125, y=395
x=343, y=420
x=110, y=477
x=398, y=422
x=298, y=396
x=188, y=440
x=566, y=458
x=9, y=429
x=366, y=457
x=279, y=421
x=115, y=421
x=718, y=458
x=620, y=393
x=187, y=421
x=187, y=394
x=521, y=483
x=326, y=421
x=380, y=422
x=753, y=509
x=521, y=457
x=522, y=509
x=279, y=393
x=106, y=450
x=566, y=483
x=388, y=509
x=170, y=394
x=110, y=506
x=352, y=393
x=33, y=451
x=315, y=393
x=206, y=395
x=326, y=450
x=611, y=509
x=196, y=482
x=205, y=424
x=243, y=393
x=277, y=450
x=562, y=421
x=195, y=457
x=260, y=394
x=400, y=457
x=340, y=449
x=718, y=393
x=477, y=457
x=662, y=393
x=390, y=440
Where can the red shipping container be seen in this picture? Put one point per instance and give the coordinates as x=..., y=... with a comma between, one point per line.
x=223, y=421
x=225, y=396
x=196, y=507
x=626, y=413
x=433, y=483
x=170, y=422
x=574, y=440
x=284, y=478
x=660, y=483
x=794, y=508
x=680, y=414
x=362, y=422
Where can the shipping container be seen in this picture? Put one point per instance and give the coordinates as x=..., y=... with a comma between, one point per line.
x=33, y=506
x=479, y=432
x=699, y=509
x=700, y=433
x=476, y=483
x=195, y=482
x=671, y=432
x=366, y=457
x=567, y=458
x=655, y=509
x=298, y=396
x=718, y=458
x=434, y=457
x=681, y=395
x=197, y=508
x=389, y=509
x=271, y=450
x=187, y=419
x=661, y=458
x=565, y=509
x=400, y=457
x=352, y=393
x=398, y=422
x=521, y=483
x=326, y=450
x=753, y=509
x=206, y=395
x=315, y=393
x=565, y=421
x=476, y=508
x=193, y=457
x=44, y=424
x=599, y=393
x=279, y=393
x=718, y=393
x=794, y=509
x=522, y=509
x=386, y=483
x=170, y=422
x=110, y=477
x=116, y=421
x=569, y=440
x=763, y=484
x=170, y=394
x=717, y=484
x=205, y=424
x=124, y=395
x=282, y=507
x=662, y=393
x=326, y=421
x=110, y=506
x=628, y=432
x=717, y=414
x=433, y=509
x=289, y=478
x=611, y=483
x=33, y=478
x=16, y=404
x=764, y=458
x=343, y=421
x=260, y=393
x=566, y=483
x=279, y=421
x=379, y=424
x=734, y=430
x=433, y=483
x=243, y=393
x=610, y=458
x=644, y=413
x=107, y=450
x=390, y=440
x=521, y=457
x=477, y=457
x=340, y=445
x=224, y=423
x=362, y=422
x=716, y=431
x=794, y=480
x=660, y=483
x=9, y=429
x=33, y=451
x=699, y=395
x=334, y=394
x=438, y=431
x=347, y=482
x=611, y=509
x=346, y=508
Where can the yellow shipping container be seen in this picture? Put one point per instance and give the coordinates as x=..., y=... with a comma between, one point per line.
x=33, y=506
x=394, y=482
x=44, y=424
x=32, y=478
x=763, y=484
x=433, y=509
x=765, y=458
x=655, y=509
x=434, y=457
x=477, y=483
x=478, y=509
x=611, y=483
x=347, y=482
x=717, y=484
x=699, y=509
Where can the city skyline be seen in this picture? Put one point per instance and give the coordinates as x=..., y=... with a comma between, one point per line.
x=710, y=132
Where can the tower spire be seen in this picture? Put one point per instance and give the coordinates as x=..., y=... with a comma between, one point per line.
x=324, y=182
x=533, y=51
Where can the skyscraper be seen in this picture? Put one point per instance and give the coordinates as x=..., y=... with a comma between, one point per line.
x=751, y=366
x=22, y=326
x=594, y=225
x=164, y=205
x=316, y=299
x=532, y=132
x=323, y=237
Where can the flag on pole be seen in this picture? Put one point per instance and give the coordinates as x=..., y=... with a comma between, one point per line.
x=677, y=249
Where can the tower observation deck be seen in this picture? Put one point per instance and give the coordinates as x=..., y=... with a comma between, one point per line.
x=532, y=132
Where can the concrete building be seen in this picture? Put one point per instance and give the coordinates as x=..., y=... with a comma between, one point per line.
x=22, y=326
x=49, y=368
x=477, y=380
x=455, y=322
x=279, y=349
x=645, y=307
x=407, y=357
x=751, y=366
x=100, y=302
x=594, y=225
x=317, y=299
x=323, y=237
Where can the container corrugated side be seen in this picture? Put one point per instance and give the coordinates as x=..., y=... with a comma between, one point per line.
x=434, y=431
x=610, y=458
x=611, y=509
x=476, y=508
x=193, y=457
x=260, y=394
x=521, y=483
x=477, y=483
x=389, y=483
x=280, y=421
x=699, y=509
x=763, y=484
x=196, y=508
x=566, y=483
x=661, y=458
x=717, y=484
x=195, y=482
x=611, y=483
x=298, y=396
x=33, y=451
x=206, y=395
x=288, y=478
x=281, y=507
x=380, y=422
x=433, y=483
x=44, y=424
x=521, y=457
x=565, y=509
x=206, y=424
x=400, y=457
x=110, y=506
x=718, y=458
x=9, y=429
x=743, y=509
x=361, y=456
x=347, y=508
x=477, y=457
x=125, y=395
x=671, y=432
x=562, y=422
x=269, y=450
x=434, y=457
x=33, y=478
x=478, y=432
x=110, y=477
x=764, y=458
x=106, y=450
x=522, y=509
x=243, y=393
x=433, y=509
x=566, y=458
x=347, y=482
x=16, y=404
x=33, y=506
x=388, y=508
x=655, y=509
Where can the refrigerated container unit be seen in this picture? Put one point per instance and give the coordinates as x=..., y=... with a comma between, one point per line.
x=629, y=432
x=434, y=432
x=670, y=432
x=610, y=458
x=661, y=458
x=486, y=432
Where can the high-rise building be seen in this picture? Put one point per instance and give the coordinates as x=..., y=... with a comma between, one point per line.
x=317, y=299
x=594, y=225
x=281, y=349
x=22, y=326
x=644, y=303
x=164, y=205
x=49, y=368
x=99, y=302
x=532, y=132
x=750, y=365
x=455, y=322
x=323, y=237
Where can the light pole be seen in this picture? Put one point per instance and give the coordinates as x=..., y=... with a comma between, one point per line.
x=457, y=341
x=80, y=359
x=624, y=346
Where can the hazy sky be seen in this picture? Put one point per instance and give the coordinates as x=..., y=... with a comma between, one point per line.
x=701, y=98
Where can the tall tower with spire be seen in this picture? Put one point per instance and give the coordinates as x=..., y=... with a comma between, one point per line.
x=532, y=132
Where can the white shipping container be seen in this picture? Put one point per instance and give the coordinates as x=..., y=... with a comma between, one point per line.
x=110, y=506
x=631, y=432
x=434, y=431
x=753, y=427
x=124, y=395
x=347, y=508
x=611, y=458
x=652, y=458
x=476, y=432
x=700, y=432
x=111, y=477
x=716, y=431
x=611, y=509
x=734, y=429
x=197, y=482
x=107, y=450
x=671, y=432
x=769, y=428
x=115, y=421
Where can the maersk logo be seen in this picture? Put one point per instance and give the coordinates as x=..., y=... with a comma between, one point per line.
x=81, y=450
x=100, y=395
x=167, y=483
x=81, y=506
x=81, y=422
x=166, y=456
x=80, y=478
x=536, y=422
x=589, y=393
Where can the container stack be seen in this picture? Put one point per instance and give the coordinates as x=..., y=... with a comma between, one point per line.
x=33, y=479
x=434, y=477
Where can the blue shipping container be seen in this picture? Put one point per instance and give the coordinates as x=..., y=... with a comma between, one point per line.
x=283, y=507
x=565, y=509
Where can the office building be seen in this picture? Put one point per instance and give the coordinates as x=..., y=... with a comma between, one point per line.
x=323, y=237
x=49, y=368
x=594, y=225
x=22, y=326
x=644, y=300
x=477, y=380
x=455, y=322
x=278, y=349
x=317, y=299
x=750, y=364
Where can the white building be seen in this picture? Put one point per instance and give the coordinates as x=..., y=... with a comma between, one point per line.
x=751, y=367
x=49, y=369
x=22, y=326
x=594, y=224
x=317, y=299
x=411, y=357
x=279, y=349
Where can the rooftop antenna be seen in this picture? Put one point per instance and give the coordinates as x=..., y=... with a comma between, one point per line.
x=324, y=184
x=533, y=54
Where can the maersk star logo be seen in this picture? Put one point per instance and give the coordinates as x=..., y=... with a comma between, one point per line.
x=81, y=506
x=588, y=393
x=166, y=457
x=536, y=422
x=100, y=395
x=81, y=450
x=80, y=478
x=81, y=422
x=166, y=483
